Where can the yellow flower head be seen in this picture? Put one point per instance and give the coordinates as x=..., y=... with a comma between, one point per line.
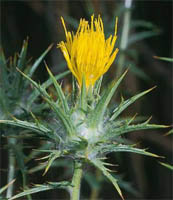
x=88, y=53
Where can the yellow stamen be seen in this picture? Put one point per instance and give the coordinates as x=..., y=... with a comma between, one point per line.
x=88, y=53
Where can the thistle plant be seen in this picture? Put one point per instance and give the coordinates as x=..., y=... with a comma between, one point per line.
x=16, y=99
x=88, y=129
x=13, y=93
x=13, y=99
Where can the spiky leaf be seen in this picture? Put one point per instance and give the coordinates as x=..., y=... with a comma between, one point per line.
x=41, y=188
x=125, y=148
x=39, y=128
x=97, y=86
x=125, y=128
x=164, y=58
x=54, y=106
x=52, y=157
x=100, y=165
x=83, y=96
x=127, y=103
x=167, y=165
x=59, y=91
x=45, y=85
x=21, y=65
x=98, y=112
x=38, y=61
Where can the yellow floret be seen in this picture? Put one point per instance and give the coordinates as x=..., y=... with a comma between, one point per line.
x=88, y=53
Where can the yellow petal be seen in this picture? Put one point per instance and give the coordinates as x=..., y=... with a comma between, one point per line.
x=87, y=53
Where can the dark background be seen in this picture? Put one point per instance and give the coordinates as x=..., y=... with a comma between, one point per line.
x=40, y=21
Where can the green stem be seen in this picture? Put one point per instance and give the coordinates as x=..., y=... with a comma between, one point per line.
x=11, y=166
x=124, y=37
x=76, y=181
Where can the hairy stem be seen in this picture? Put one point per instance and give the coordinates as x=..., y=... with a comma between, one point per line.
x=11, y=166
x=76, y=181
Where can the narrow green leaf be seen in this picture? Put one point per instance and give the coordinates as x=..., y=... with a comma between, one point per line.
x=21, y=65
x=45, y=85
x=137, y=71
x=83, y=96
x=22, y=56
x=33, y=153
x=63, y=117
x=59, y=163
x=38, y=61
x=126, y=148
x=100, y=165
x=74, y=91
x=97, y=86
x=27, y=125
x=141, y=36
x=6, y=186
x=53, y=157
x=164, y=58
x=129, y=128
x=169, y=132
x=127, y=186
x=143, y=24
x=167, y=165
x=93, y=180
x=41, y=188
x=3, y=69
x=98, y=113
x=127, y=103
x=59, y=92
x=4, y=83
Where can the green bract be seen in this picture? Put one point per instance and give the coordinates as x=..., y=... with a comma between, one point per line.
x=83, y=129
x=17, y=101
